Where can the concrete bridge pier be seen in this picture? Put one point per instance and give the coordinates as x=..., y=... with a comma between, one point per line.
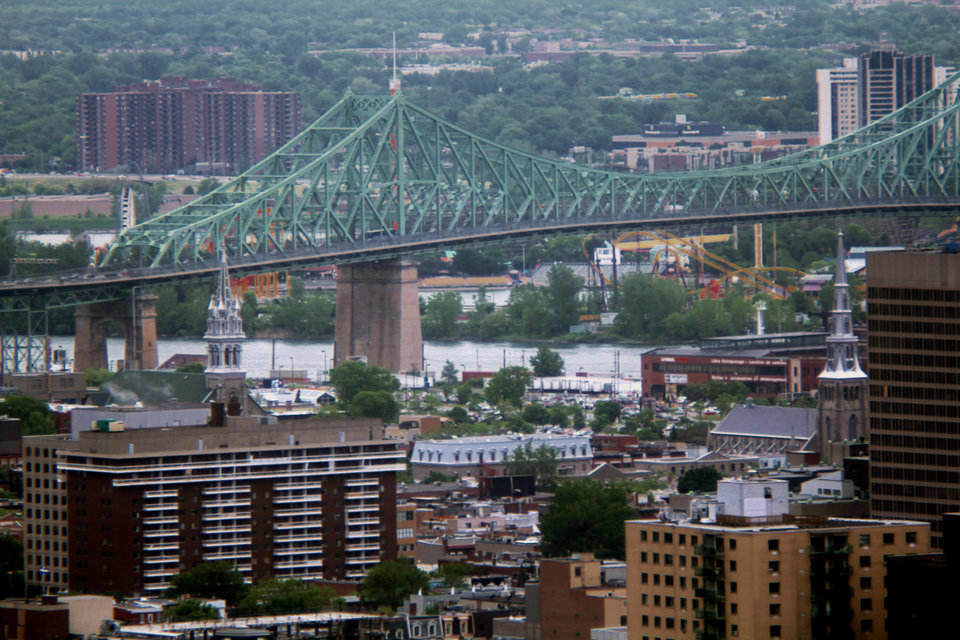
x=378, y=315
x=139, y=330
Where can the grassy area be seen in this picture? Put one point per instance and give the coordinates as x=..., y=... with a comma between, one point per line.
x=72, y=224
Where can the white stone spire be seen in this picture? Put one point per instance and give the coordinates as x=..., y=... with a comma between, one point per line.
x=842, y=360
x=224, y=334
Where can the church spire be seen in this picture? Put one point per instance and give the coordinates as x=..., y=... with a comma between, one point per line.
x=224, y=334
x=842, y=361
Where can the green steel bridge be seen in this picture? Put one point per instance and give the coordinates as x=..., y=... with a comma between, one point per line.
x=379, y=177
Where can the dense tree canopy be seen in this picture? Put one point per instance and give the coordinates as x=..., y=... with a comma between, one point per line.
x=209, y=580
x=508, y=386
x=351, y=377
x=389, y=583
x=587, y=515
x=278, y=597
x=35, y=418
x=699, y=479
x=546, y=362
x=540, y=462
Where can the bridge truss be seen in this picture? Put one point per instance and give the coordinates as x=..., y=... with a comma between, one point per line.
x=385, y=170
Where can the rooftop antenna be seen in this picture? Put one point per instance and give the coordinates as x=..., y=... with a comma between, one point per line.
x=394, y=81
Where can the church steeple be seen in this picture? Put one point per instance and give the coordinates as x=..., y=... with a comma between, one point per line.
x=842, y=385
x=842, y=361
x=224, y=334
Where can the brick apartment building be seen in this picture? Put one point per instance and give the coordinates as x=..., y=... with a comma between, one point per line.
x=216, y=126
x=126, y=511
x=578, y=594
x=755, y=572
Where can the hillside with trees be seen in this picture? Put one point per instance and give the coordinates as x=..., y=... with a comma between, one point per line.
x=293, y=46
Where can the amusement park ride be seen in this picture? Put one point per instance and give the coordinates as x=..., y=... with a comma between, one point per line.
x=672, y=256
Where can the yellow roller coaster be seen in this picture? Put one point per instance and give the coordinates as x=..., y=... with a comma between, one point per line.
x=690, y=247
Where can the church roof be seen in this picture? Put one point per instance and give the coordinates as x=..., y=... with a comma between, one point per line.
x=768, y=422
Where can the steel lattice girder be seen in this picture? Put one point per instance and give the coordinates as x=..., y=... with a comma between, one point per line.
x=385, y=169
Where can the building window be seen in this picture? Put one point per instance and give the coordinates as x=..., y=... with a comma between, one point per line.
x=733, y=587
x=656, y=536
x=668, y=538
x=866, y=604
x=733, y=565
x=733, y=545
x=643, y=556
x=774, y=587
x=773, y=544
x=773, y=566
x=864, y=561
x=888, y=538
x=864, y=539
x=911, y=537
x=775, y=609
x=866, y=625
x=774, y=631
x=865, y=582
x=643, y=578
x=682, y=538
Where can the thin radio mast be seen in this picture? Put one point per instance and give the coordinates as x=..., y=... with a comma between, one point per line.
x=394, y=81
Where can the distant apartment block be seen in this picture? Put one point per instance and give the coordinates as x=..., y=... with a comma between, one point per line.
x=691, y=146
x=217, y=126
x=867, y=88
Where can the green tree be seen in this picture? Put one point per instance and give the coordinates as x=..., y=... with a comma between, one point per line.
x=645, y=305
x=508, y=386
x=351, y=377
x=562, y=294
x=277, y=597
x=35, y=418
x=535, y=413
x=441, y=314
x=209, y=580
x=190, y=609
x=449, y=377
x=525, y=311
x=587, y=515
x=375, y=404
x=700, y=479
x=606, y=412
x=97, y=377
x=389, y=583
x=546, y=362
x=453, y=573
x=540, y=463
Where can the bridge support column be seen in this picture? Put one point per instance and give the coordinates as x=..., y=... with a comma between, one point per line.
x=378, y=315
x=139, y=330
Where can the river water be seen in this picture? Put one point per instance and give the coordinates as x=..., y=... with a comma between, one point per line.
x=315, y=356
